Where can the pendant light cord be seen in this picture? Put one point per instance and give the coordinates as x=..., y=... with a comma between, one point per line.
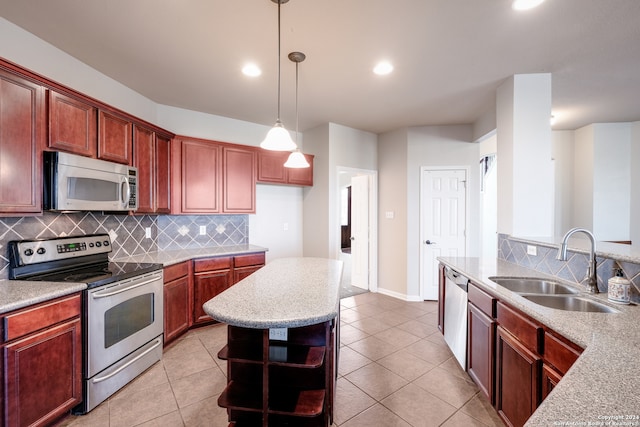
x=279, y=3
x=297, y=63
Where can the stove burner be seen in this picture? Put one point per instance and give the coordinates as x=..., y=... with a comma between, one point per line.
x=81, y=277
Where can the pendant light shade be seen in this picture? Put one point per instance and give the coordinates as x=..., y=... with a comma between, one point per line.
x=278, y=138
x=296, y=159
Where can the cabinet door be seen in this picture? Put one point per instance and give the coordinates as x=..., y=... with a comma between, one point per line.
x=301, y=176
x=144, y=159
x=271, y=166
x=72, y=125
x=200, y=172
x=162, y=174
x=518, y=372
x=22, y=138
x=441, y=279
x=480, y=356
x=177, y=313
x=239, y=180
x=242, y=272
x=207, y=286
x=43, y=375
x=550, y=379
x=114, y=140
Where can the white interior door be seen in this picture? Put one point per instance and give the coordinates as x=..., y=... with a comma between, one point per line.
x=360, y=231
x=443, y=222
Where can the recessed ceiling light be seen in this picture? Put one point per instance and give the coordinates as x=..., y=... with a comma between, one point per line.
x=251, y=70
x=525, y=4
x=383, y=68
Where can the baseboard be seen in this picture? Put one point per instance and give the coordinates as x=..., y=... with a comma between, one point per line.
x=398, y=295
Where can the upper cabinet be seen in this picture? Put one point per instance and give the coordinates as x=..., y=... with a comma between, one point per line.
x=72, y=125
x=210, y=177
x=22, y=139
x=151, y=157
x=271, y=169
x=114, y=138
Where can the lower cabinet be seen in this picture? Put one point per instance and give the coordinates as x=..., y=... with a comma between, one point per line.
x=518, y=371
x=42, y=362
x=280, y=382
x=481, y=340
x=177, y=300
x=212, y=276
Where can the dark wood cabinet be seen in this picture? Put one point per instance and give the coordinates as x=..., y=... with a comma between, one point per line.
x=177, y=300
x=211, y=276
x=210, y=177
x=22, y=139
x=441, y=288
x=271, y=169
x=42, y=362
x=238, y=180
x=481, y=340
x=152, y=158
x=72, y=125
x=518, y=371
x=114, y=138
x=274, y=382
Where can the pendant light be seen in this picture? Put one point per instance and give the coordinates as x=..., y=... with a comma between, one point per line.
x=296, y=159
x=278, y=138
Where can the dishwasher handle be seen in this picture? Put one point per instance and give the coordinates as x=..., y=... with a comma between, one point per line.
x=456, y=278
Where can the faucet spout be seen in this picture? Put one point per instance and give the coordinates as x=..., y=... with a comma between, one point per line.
x=592, y=270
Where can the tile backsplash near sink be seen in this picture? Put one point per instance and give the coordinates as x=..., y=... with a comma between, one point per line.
x=168, y=232
x=572, y=270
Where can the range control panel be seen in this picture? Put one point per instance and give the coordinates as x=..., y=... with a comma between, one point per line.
x=36, y=251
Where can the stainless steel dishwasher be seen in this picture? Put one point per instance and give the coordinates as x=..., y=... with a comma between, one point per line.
x=455, y=314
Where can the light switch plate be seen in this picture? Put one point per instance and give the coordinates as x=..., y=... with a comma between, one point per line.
x=532, y=250
x=203, y=230
x=278, y=334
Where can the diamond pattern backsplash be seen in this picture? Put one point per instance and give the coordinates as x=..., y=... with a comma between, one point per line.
x=573, y=270
x=128, y=232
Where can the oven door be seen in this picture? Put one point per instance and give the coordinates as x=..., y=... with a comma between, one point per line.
x=121, y=318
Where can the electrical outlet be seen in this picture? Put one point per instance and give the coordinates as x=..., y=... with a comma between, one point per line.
x=285, y=227
x=147, y=232
x=278, y=334
x=389, y=214
x=203, y=230
x=532, y=250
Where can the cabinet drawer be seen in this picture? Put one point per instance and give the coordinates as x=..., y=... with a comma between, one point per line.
x=482, y=300
x=248, y=260
x=529, y=333
x=175, y=271
x=210, y=264
x=559, y=354
x=41, y=316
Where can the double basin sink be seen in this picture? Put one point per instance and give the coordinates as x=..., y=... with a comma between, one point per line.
x=551, y=294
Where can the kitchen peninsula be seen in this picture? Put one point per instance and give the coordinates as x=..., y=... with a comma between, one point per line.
x=282, y=342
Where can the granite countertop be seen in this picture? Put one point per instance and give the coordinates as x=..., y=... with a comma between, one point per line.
x=604, y=381
x=15, y=294
x=286, y=293
x=175, y=256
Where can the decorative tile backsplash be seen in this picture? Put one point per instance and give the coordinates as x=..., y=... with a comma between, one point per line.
x=572, y=270
x=128, y=233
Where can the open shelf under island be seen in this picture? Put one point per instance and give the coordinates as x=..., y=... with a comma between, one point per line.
x=283, y=342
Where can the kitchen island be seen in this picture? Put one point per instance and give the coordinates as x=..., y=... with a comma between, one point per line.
x=283, y=333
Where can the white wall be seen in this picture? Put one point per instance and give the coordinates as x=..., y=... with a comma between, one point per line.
x=563, y=154
x=634, y=232
x=275, y=205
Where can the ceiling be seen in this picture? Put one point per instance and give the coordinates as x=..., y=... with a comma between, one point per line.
x=449, y=55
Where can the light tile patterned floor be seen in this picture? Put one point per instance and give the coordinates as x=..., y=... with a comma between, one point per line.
x=394, y=370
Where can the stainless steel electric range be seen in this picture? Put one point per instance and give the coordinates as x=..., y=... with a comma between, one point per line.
x=122, y=320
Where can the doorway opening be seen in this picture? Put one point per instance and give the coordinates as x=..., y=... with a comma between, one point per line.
x=357, y=228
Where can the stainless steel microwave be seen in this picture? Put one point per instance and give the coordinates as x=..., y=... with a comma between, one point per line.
x=76, y=183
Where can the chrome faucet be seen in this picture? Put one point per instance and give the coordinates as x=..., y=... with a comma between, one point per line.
x=591, y=271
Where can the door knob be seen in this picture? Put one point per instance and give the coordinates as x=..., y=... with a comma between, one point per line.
x=353, y=238
x=429, y=242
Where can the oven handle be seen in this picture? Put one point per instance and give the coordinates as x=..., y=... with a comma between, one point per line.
x=105, y=294
x=129, y=363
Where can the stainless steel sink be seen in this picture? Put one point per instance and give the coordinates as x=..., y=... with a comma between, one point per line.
x=570, y=303
x=532, y=285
